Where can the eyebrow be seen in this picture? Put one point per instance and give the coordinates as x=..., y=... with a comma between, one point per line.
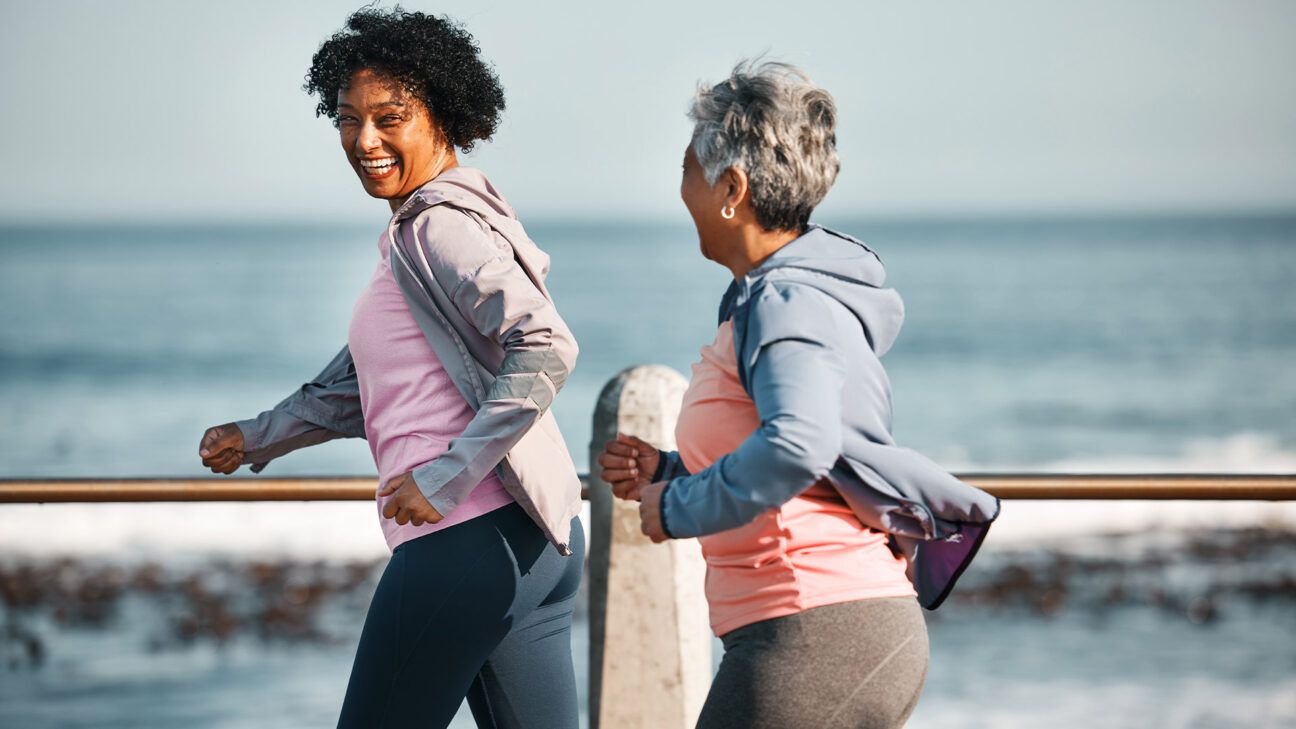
x=375, y=106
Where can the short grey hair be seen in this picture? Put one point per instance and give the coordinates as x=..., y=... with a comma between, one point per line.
x=770, y=121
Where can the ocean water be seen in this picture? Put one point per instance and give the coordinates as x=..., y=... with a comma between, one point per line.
x=1027, y=343
x=1099, y=344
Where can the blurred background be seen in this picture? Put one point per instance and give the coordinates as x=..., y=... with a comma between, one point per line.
x=1089, y=209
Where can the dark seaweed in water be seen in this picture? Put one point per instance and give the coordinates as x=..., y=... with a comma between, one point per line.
x=1191, y=575
x=218, y=601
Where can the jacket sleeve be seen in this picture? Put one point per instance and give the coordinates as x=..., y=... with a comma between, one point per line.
x=501, y=301
x=796, y=382
x=326, y=408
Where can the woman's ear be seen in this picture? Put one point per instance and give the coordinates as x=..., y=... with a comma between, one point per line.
x=735, y=182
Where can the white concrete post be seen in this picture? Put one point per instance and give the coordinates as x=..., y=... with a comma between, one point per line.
x=650, y=640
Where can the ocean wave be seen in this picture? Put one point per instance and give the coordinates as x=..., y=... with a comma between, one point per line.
x=1250, y=452
x=1247, y=452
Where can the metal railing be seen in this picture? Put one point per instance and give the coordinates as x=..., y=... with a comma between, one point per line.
x=1044, y=486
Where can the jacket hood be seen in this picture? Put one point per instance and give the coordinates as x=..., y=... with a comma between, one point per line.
x=842, y=267
x=467, y=189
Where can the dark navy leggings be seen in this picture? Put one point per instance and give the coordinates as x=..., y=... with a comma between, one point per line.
x=481, y=609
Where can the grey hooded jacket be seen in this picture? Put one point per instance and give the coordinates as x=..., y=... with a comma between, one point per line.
x=474, y=283
x=810, y=324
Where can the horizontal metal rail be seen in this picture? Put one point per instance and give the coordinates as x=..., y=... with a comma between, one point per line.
x=1236, y=487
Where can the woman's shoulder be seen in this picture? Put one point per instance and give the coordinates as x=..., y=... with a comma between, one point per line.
x=789, y=309
x=454, y=243
x=792, y=299
x=825, y=307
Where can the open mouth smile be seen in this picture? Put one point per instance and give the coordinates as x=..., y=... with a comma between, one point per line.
x=377, y=167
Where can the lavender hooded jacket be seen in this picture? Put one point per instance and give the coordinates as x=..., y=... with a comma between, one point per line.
x=810, y=324
x=474, y=283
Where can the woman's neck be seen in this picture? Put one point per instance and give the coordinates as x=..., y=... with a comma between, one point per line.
x=448, y=162
x=753, y=246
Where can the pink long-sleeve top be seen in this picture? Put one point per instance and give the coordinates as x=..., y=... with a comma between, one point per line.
x=811, y=551
x=412, y=409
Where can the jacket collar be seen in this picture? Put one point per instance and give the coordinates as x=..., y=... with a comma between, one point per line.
x=458, y=185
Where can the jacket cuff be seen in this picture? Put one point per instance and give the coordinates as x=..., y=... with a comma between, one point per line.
x=434, y=487
x=661, y=467
x=661, y=508
x=252, y=433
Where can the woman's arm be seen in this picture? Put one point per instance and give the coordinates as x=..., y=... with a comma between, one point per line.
x=326, y=408
x=796, y=383
x=498, y=298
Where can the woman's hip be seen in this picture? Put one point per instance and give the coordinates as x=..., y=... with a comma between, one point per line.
x=525, y=567
x=852, y=664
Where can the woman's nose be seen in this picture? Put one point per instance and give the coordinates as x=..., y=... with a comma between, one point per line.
x=368, y=139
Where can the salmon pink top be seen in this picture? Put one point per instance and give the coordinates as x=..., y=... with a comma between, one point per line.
x=811, y=551
x=412, y=409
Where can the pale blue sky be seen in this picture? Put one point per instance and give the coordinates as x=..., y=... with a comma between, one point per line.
x=167, y=110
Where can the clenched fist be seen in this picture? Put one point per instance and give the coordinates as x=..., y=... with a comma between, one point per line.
x=221, y=448
x=628, y=465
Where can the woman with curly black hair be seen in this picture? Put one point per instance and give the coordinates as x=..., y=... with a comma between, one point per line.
x=454, y=354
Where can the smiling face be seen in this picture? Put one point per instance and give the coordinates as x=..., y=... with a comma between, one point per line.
x=389, y=137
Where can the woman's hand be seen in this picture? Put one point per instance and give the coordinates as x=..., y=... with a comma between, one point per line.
x=628, y=465
x=221, y=448
x=650, y=521
x=409, y=506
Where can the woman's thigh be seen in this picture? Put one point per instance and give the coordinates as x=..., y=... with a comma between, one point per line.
x=857, y=664
x=444, y=604
x=528, y=680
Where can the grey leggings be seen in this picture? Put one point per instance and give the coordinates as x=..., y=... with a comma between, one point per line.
x=854, y=664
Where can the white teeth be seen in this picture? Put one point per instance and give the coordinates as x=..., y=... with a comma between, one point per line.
x=378, y=165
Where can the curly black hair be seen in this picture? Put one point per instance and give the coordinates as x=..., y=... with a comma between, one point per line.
x=435, y=59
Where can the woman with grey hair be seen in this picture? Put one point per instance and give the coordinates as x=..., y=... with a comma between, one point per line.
x=823, y=539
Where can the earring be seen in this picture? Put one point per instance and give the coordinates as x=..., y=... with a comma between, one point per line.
x=727, y=213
